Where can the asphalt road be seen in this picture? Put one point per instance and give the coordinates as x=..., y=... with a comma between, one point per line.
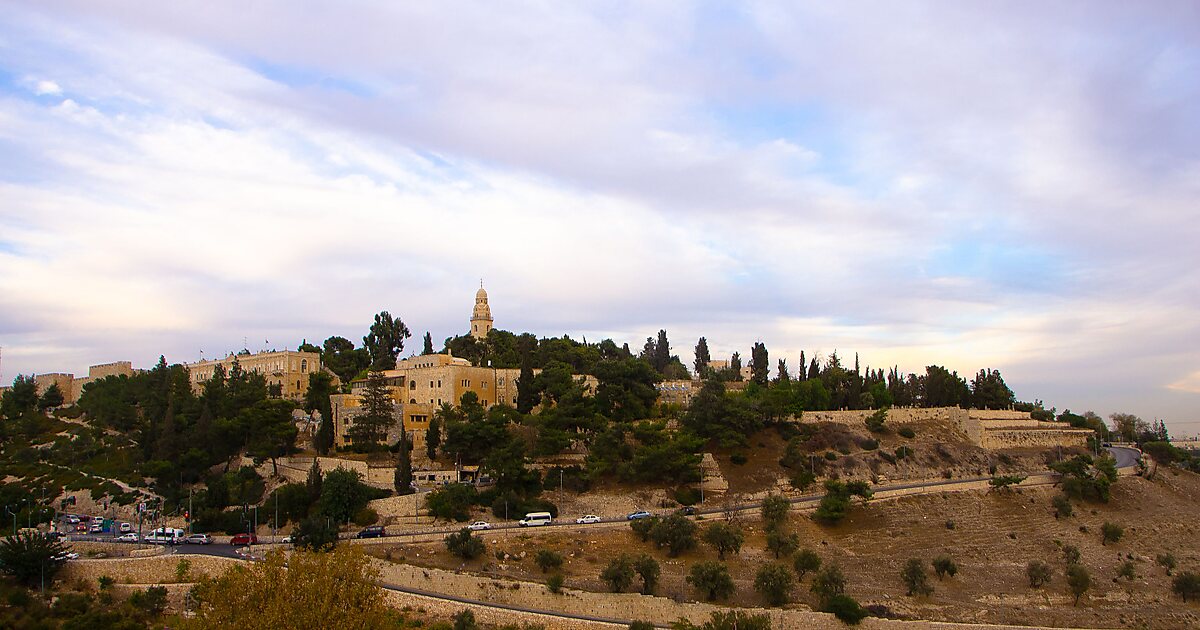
x=1125, y=456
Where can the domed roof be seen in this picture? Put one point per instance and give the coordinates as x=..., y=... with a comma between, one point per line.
x=481, y=294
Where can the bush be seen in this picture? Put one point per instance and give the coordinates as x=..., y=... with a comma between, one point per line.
x=1186, y=584
x=828, y=583
x=152, y=600
x=903, y=451
x=465, y=545
x=775, y=510
x=547, y=559
x=1127, y=570
x=845, y=608
x=1111, y=533
x=915, y=579
x=711, y=578
x=738, y=458
x=555, y=583
x=875, y=421
x=452, y=502
x=1166, y=561
x=944, y=565
x=1071, y=555
x=1039, y=573
x=724, y=538
x=647, y=568
x=907, y=432
x=687, y=496
x=643, y=526
x=465, y=620
x=1062, y=506
x=782, y=543
x=366, y=516
x=773, y=581
x=676, y=532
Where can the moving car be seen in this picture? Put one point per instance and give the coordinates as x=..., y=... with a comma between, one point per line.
x=587, y=519
x=126, y=528
x=97, y=527
x=244, y=539
x=81, y=528
x=287, y=540
x=66, y=555
x=165, y=536
x=129, y=537
x=687, y=510
x=374, y=531
x=633, y=516
x=479, y=525
x=199, y=539
x=534, y=519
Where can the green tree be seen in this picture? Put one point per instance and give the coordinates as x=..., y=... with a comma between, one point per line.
x=385, y=341
x=774, y=581
x=944, y=565
x=342, y=494
x=804, y=561
x=1166, y=561
x=1186, y=584
x=1111, y=533
x=724, y=620
x=676, y=532
x=403, y=477
x=342, y=358
x=828, y=583
x=724, y=538
x=271, y=429
x=315, y=533
x=915, y=579
x=1039, y=573
x=320, y=387
x=626, y=388
x=1162, y=454
x=428, y=349
x=30, y=557
x=1003, y=482
x=1062, y=506
x=19, y=398
x=451, y=502
x=875, y=421
x=433, y=438
x=702, y=358
x=618, y=575
x=782, y=543
x=1078, y=580
x=760, y=363
x=378, y=412
x=775, y=510
x=548, y=559
x=1071, y=555
x=465, y=545
x=944, y=388
x=647, y=568
x=712, y=578
x=845, y=608
x=527, y=393
x=52, y=397
x=836, y=502
x=988, y=391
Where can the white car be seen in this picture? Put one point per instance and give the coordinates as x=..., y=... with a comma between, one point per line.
x=128, y=537
x=126, y=528
x=588, y=519
x=67, y=555
x=479, y=525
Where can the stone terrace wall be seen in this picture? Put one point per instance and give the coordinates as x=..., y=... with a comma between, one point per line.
x=156, y=570
x=1025, y=438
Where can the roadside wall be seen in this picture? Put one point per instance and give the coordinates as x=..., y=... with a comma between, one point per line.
x=156, y=570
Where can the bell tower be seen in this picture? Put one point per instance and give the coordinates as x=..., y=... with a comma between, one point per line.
x=481, y=317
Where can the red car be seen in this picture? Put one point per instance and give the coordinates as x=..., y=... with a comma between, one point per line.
x=244, y=539
x=81, y=528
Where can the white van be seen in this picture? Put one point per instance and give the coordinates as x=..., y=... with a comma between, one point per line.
x=533, y=519
x=165, y=536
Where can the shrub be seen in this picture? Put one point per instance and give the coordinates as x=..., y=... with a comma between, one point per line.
x=773, y=581
x=687, y=496
x=1078, y=580
x=1166, y=561
x=1003, y=482
x=1186, y=584
x=643, y=526
x=845, y=608
x=775, y=510
x=903, y=451
x=465, y=620
x=1127, y=570
x=182, y=568
x=738, y=458
x=1071, y=554
x=950, y=524
x=915, y=579
x=868, y=444
x=618, y=575
x=465, y=545
x=831, y=456
x=875, y=421
x=152, y=600
x=642, y=625
x=711, y=578
x=547, y=559
x=1110, y=532
x=676, y=532
x=907, y=432
x=1062, y=506
x=555, y=583
x=1039, y=573
x=944, y=565
x=366, y=516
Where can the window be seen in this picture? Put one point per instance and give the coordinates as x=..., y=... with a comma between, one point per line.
x=412, y=384
x=500, y=383
x=412, y=401
x=483, y=385
x=297, y=384
x=439, y=382
x=430, y=384
x=304, y=365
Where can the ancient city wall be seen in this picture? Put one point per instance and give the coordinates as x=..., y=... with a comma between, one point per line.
x=156, y=570
x=1042, y=438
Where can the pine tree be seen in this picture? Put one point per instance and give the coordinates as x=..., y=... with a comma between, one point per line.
x=702, y=358
x=372, y=424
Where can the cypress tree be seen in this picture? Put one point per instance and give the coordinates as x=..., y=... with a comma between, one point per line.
x=702, y=357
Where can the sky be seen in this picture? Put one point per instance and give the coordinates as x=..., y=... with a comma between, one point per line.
x=1010, y=185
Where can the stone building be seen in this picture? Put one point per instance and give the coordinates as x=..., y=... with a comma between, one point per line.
x=481, y=317
x=288, y=369
x=71, y=387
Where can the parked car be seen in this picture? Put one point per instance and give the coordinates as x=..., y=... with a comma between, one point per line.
x=96, y=527
x=687, y=510
x=587, y=519
x=54, y=535
x=374, y=531
x=479, y=525
x=129, y=537
x=72, y=519
x=287, y=540
x=244, y=539
x=633, y=516
x=81, y=528
x=66, y=555
x=198, y=539
x=126, y=528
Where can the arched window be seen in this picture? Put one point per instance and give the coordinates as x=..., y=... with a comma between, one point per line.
x=304, y=365
x=412, y=401
x=412, y=384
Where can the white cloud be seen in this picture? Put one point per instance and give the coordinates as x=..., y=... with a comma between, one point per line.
x=47, y=87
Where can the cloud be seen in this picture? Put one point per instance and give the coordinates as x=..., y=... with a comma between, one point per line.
x=900, y=181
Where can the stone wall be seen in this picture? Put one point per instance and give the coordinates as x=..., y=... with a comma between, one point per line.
x=1036, y=438
x=156, y=570
x=988, y=428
